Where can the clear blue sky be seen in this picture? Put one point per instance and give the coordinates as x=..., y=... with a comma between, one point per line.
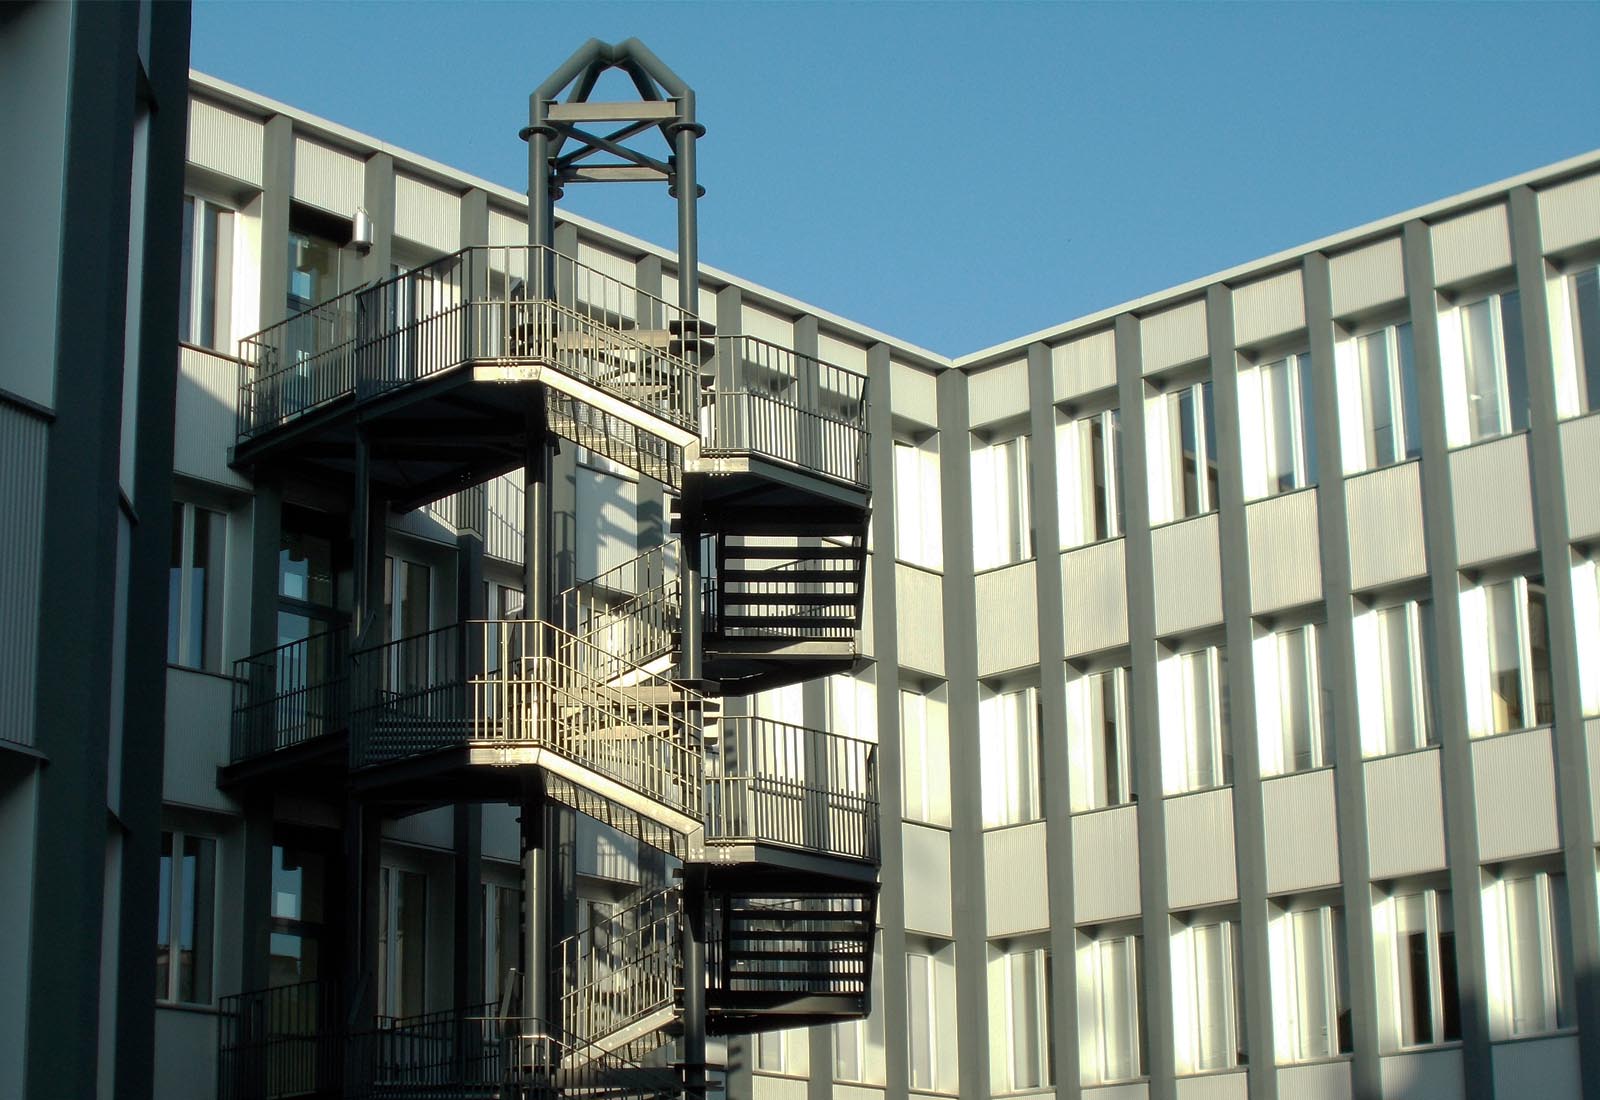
x=961, y=174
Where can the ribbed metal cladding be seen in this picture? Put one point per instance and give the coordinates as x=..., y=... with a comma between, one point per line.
x=22, y=458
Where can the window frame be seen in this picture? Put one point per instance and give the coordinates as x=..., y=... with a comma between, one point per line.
x=1090, y=767
x=178, y=901
x=1183, y=743
x=1166, y=474
x=1264, y=475
x=193, y=283
x=1291, y=990
x=1557, y=1010
x=1085, y=502
x=1479, y=647
x=1359, y=449
x=1006, y=461
x=1272, y=699
x=1007, y=1073
x=931, y=780
x=1435, y=901
x=1461, y=371
x=1577, y=365
x=1096, y=1001
x=918, y=514
x=1000, y=754
x=213, y=656
x=1184, y=946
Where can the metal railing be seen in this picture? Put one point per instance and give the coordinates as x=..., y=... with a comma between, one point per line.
x=771, y=782
x=280, y=1042
x=492, y=511
x=630, y=610
x=786, y=590
x=505, y=304
x=621, y=970
x=290, y=695
x=764, y=947
x=522, y=683
x=779, y=404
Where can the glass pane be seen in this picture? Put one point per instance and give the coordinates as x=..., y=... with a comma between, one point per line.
x=1505, y=661
x=1099, y=525
x=1314, y=1038
x=1308, y=419
x=1399, y=670
x=1203, y=769
x=1025, y=1023
x=1449, y=991
x=205, y=581
x=1372, y=352
x=1586, y=336
x=1277, y=401
x=1118, y=987
x=305, y=569
x=164, y=921
x=198, y=882
x=1295, y=701
x=1212, y=984
x=1524, y=944
x=1539, y=654
x=297, y=884
x=1483, y=377
x=1189, y=453
x=920, y=1020
x=209, y=237
x=411, y=917
x=1515, y=359
x=1410, y=408
x=1208, y=414
x=175, y=588
x=293, y=959
x=1414, y=970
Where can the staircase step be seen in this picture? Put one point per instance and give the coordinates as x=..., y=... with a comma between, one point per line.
x=792, y=576
x=793, y=553
x=785, y=622
x=787, y=599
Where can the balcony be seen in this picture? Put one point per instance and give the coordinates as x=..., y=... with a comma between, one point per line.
x=291, y=709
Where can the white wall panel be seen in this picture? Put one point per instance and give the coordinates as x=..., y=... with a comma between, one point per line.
x=997, y=393
x=1471, y=245
x=208, y=395
x=1384, y=510
x=1580, y=458
x=1302, y=831
x=1422, y=1075
x=1285, y=557
x=1016, y=889
x=1137, y=1090
x=1215, y=1086
x=767, y=1087
x=1367, y=278
x=1105, y=865
x=842, y=353
x=1591, y=730
x=1317, y=1081
x=1493, y=500
x=927, y=863
x=1174, y=336
x=1514, y=782
x=919, y=619
x=1569, y=213
x=427, y=214
x=1541, y=1068
x=1083, y=365
x=328, y=178
x=1200, y=861
x=913, y=395
x=766, y=325
x=185, y=1054
x=1094, y=596
x=1188, y=575
x=1008, y=619
x=1405, y=815
x=225, y=141
x=199, y=715
x=1268, y=308
x=506, y=229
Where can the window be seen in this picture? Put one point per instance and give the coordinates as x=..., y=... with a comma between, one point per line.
x=1277, y=426
x=1196, y=749
x=1310, y=998
x=1111, y=1029
x=502, y=944
x=918, y=529
x=1021, y=1052
x=299, y=893
x=1100, y=741
x=858, y=1045
x=924, y=758
x=186, y=918
x=1089, y=477
x=1575, y=324
x=1008, y=727
x=1394, y=677
x=1181, y=428
x=1379, y=411
x=1528, y=944
x=783, y=1051
x=1207, y=998
x=194, y=587
x=1290, y=707
x=313, y=270
x=1486, y=384
x=1506, y=651
x=1586, y=612
x=1002, y=515
x=406, y=592
x=931, y=1016
x=204, y=273
x=402, y=941
x=1415, y=944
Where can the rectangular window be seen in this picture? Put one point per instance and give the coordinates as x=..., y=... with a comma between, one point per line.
x=1278, y=426
x=1008, y=728
x=186, y=918
x=1207, y=1003
x=1415, y=942
x=1577, y=334
x=502, y=943
x=1100, y=741
x=1586, y=612
x=858, y=1045
x=1111, y=1009
x=1310, y=998
x=924, y=758
x=1021, y=1052
x=1089, y=477
x=194, y=587
x=1002, y=514
x=918, y=529
x=407, y=589
x=204, y=272
x=1528, y=944
x=1196, y=747
x=931, y=1017
x=1290, y=708
x=1181, y=424
x=1506, y=653
x=1394, y=677
x=1380, y=416
x=1485, y=372
x=402, y=941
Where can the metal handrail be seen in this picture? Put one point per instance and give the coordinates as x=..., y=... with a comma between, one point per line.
x=279, y=1042
x=290, y=694
x=621, y=970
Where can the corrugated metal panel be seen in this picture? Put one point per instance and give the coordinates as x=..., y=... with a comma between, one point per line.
x=919, y=619
x=1493, y=500
x=1580, y=458
x=1008, y=619
x=927, y=863
x=226, y=142
x=1105, y=865
x=1302, y=845
x=1569, y=214
x=1268, y=308
x=326, y=177
x=1384, y=509
x=782, y=1088
x=1514, y=782
x=505, y=229
x=426, y=214
x=913, y=395
x=1423, y=1075
x=1543, y=1068
x=208, y=388
x=1173, y=337
x=1215, y=1086
x=1471, y=245
x=1285, y=561
x=1405, y=815
x=436, y=829
x=1085, y=365
x=1015, y=887
x=1318, y=1081
x=1367, y=278
x=1138, y=1090
x=23, y=440
x=998, y=393
x=621, y=268
x=1200, y=861
x=1188, y=575
x=1094, y=596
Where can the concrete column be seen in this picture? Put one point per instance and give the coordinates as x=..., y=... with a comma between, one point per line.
x=377, y=196
x=277, y=188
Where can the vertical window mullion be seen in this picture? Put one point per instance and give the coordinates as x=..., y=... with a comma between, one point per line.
x=186, y=610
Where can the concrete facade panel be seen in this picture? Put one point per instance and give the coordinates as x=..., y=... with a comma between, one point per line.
x=23, y=443
x=1469, y=246
x=1200, y=859
x=1545, y=1067
x=1268, y=308
x=1493, y=500
x=1094, y=597
x=1215, y=1086
x=1086, y=364
x=1384, y=510
x=1366, y=279
x=779, y=1088
x=327, y=178
x=998, y=393
x=208, y=389
x=1008, y=628
x=912, y=395
x=843, y=353
x=225, y=141
x=1015, y=893
x=1285, y=558
x=1422, y=1075
x=1137, y=1090
x=1580, y=458
x=186, y=1054
x=426, y=214
x=919, y=615
x=1174, y=336
x=1317, y=1081
x=506, y=229
x=1302, y=839
x=1514, y=785
x=1569, y=213
x=1105, y=865
x=201, y=706
x=765, y=325
x=1188, y=575
x=1405, y=814
x=927, y=863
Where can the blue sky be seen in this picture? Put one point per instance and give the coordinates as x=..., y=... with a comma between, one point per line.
x=961, y=174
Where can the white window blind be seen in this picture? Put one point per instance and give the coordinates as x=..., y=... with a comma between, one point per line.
x=1111, y=1032
x=1002, y=519
x=1099, y=740
x=1009, y=733
x=1196, y=751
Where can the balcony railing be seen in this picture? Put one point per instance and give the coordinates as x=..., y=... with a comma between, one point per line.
x=507, y=304
x=779, y=404
x=281, y=1042
x=774, y=783
x=621, y=970
x=290, y=695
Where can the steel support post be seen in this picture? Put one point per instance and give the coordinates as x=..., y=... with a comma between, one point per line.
x=692, y=906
